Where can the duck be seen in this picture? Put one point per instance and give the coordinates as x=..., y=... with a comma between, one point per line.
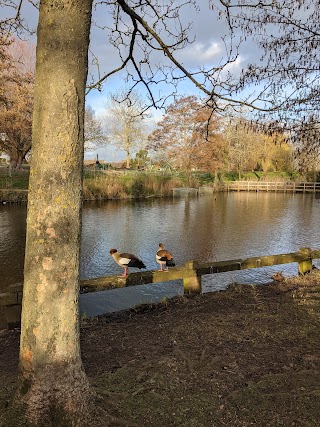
x=164, y=258
x=126, y=260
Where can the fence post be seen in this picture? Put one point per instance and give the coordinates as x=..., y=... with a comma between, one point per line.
x=13, y=315
x=192, y=283
x=305, y=266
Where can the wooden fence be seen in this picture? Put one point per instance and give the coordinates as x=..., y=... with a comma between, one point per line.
x=283, y=187
x=190, y=273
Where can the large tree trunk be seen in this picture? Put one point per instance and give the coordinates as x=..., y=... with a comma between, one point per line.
x=53, y=385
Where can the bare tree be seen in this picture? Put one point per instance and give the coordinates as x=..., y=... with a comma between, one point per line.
x=253, y=148
x=94, y=135
x=306, y=139
x=125, y=122
x=241, y=142
x=6, y=68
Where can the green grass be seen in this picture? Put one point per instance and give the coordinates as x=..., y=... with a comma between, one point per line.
x=17, y=180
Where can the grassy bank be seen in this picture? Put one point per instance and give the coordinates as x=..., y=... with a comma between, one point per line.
x=113, y=185
x=247, y=356
x=103, y=185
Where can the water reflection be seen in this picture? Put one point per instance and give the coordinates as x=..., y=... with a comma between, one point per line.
x=206, y=228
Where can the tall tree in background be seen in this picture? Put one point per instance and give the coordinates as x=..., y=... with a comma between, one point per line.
x=125, y=122
x=251, y=148
x=6, y=67
x=211, y=147
x=16, y=100
x=241, y=147
x=188, y=133
x=306, y=139
x=94, y=136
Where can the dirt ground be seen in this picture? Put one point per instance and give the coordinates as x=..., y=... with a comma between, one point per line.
x=248, y=356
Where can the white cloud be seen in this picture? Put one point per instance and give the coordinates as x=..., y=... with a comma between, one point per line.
x=236, y=66
x=201, y=53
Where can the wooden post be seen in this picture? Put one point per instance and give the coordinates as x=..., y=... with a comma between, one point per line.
x=305, y=266
x=10, y=306
x=192, y=283
x=13, y=316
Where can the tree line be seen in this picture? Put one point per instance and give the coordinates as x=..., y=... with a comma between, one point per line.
x=188, y=137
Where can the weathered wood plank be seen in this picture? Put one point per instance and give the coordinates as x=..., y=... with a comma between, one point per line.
x=253, y=262
x=134, y=279
x=192, y=270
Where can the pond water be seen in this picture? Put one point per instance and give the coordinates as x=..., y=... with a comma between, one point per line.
x=206, y=228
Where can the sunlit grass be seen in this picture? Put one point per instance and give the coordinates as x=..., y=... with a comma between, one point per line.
x=126, y=185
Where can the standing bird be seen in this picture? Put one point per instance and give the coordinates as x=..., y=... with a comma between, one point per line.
x=126, y=260
x=164, y=257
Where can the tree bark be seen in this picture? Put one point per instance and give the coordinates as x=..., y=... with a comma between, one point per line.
x=52, y=383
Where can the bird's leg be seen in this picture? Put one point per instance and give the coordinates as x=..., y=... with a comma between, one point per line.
x=125, y=272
